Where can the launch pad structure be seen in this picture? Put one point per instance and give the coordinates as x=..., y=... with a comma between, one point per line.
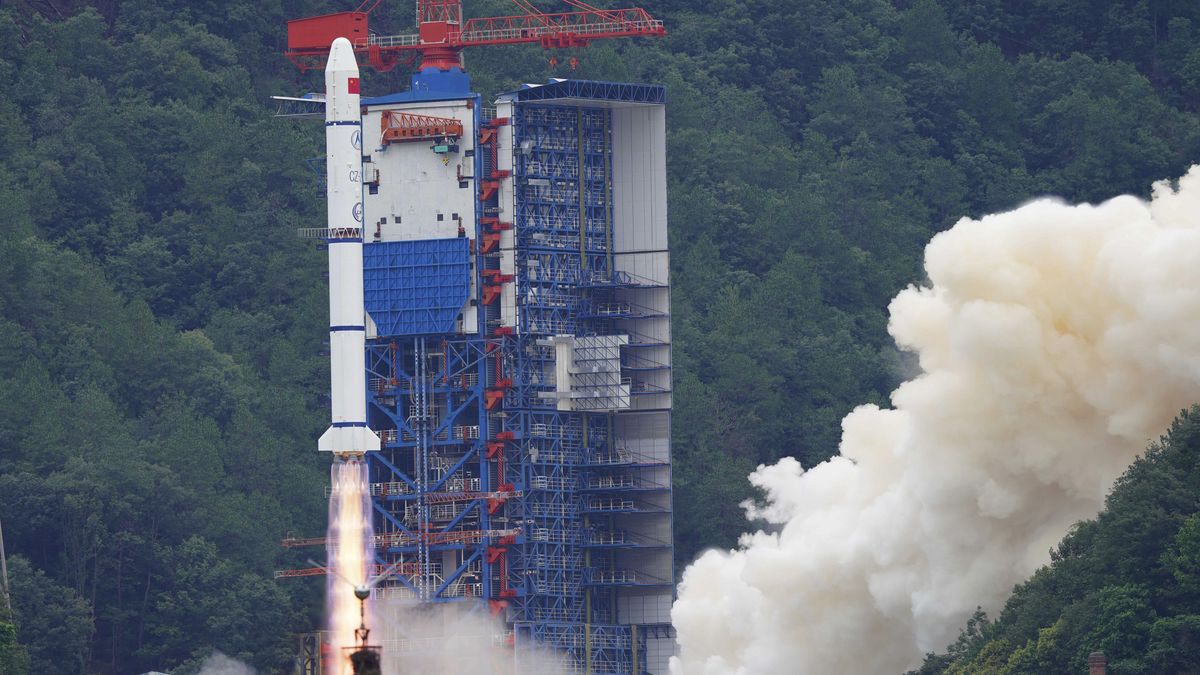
x=518, y=364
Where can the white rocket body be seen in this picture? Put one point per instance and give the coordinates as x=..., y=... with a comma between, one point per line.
x=348, y=434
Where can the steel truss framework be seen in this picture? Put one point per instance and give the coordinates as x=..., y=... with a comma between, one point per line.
x=483, y=489
x=577, y=477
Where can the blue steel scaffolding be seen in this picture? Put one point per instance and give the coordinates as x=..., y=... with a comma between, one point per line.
x=488, y=488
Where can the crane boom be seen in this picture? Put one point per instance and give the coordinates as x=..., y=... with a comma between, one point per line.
x=569, y=28
x=442, y=34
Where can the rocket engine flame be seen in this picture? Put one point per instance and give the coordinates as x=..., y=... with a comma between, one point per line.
x=348, y=553
x=1054, y=341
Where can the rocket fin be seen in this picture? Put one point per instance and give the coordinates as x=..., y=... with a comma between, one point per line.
x=353, y=440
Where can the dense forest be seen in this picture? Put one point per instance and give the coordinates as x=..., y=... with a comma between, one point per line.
x=160, y=324
x=1126, y=583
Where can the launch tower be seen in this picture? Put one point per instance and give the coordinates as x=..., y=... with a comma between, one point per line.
x=518, y=360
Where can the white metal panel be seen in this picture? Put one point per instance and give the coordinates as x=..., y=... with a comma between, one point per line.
x=508, y=262
x=470, y=314
x=507, y=202
x=563, y=363
x=505, y=160
x=508, y=306
x=508, y=292
x=420, y=195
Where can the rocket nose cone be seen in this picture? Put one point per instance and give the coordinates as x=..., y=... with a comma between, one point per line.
x=341, y=56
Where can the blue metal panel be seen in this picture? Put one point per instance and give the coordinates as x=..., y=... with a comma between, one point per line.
x=590, y=89
x=430, y=84
x=416, y=287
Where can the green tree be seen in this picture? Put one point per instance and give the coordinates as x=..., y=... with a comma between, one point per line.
x=207, y=604
x=53, y=623
x=13, y=658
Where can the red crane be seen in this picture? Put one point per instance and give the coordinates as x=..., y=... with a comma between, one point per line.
x=443, y=34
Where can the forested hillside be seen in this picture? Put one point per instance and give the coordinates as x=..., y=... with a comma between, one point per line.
x=161, y=324
x=159, y=350
x=1127, y=583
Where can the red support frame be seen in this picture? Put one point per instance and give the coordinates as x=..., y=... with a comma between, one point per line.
x=398, y=127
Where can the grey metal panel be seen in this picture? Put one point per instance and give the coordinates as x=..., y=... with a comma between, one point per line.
x=649, y=266
x=651, y=608
x=647, y=608
x=658, y=529
x=649, y=528
x=639, y=179
x=658, y=654
x=651, y=563
x=645, y=434
x=643, y=425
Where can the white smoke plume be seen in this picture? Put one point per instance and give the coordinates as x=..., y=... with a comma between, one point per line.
x=449, y=639
x=1055, y=342
x=220, y=664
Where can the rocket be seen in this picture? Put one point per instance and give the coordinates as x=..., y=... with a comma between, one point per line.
x=348, y=435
